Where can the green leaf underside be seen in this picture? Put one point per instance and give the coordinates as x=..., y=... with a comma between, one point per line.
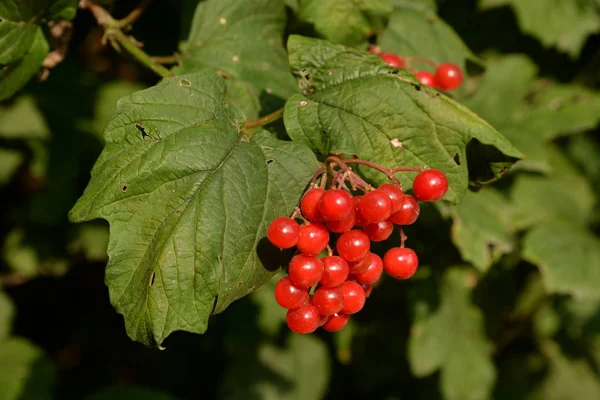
x=568, y=257
x=16, y=38
x=565, y=24
x=482, y=228
x=187, y=201
x=15, y=75
x=242, y=39
x=300, y=370
x=452, y=339
x=416, y=32
x=25, y=372
x=531, y=113
x=343, y=21
x=354, y=103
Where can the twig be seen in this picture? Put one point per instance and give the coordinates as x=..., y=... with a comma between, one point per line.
x=114, y=34
x=267, y=119
x=134, y=15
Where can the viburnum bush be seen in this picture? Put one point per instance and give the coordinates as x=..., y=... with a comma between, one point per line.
x=329, y=198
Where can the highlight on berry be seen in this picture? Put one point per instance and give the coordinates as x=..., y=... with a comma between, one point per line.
x=333, y=270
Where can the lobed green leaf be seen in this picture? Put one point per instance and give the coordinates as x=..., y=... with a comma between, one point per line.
x=188, y=200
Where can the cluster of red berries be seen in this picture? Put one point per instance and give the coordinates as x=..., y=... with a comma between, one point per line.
x=447, y=76
x=324, y=292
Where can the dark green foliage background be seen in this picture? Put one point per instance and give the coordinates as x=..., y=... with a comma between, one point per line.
x=506, y=304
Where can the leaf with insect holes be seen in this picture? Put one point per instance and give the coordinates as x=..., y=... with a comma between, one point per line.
x=243, y=40
x=188, y=200
x=482, y=228
x=532, y=112
x=452, y=339
x=352, y=102
x=342, y=21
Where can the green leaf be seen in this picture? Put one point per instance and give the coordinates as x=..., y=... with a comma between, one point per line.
x=25, y=371
x=342, y=21
x=422, y=5
x=539, y=199
x=188, y=200
x=7, y=313
x=16, y=38
x=242, y=39
x=567, y=255
x=482, y=228
x=271, y=316
x=567, y=379
x=300, y=370
x=531, y=113
x=565, y=24
x=23, y=120
x=10, y=161
x=19, y=255
x=355, y=103
x=129, y=393
x=62, y=9
x=16, y=75
x=415, y=31
x=34, y=11
x=92, y=241
x=452, y=339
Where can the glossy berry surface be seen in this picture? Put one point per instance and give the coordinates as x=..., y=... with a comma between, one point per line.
x=335, y=271
x=426, y=78
x=304, y=319
x=335, y=204
x=354, y=297
x=392, y=59
x=309, y=205
x=375, y=206
x=283, y=232
x=373, y=271
x=359, y=220
x=448, y=76
x=305, y=270
x=400, y=262
x=380, y=231
x=336, y=322
x=312, y=239
x=342, y=225
x=409, y=212
x=361, y=265
x=328, y=301
x=353, y=245
x=430, y=185
x=395, y=194
x=290, y=295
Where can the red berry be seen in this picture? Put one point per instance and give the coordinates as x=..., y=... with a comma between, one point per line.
x=304, y=319
x=290, y=295
x=426, y=78
x=395, y=194
x=342, y=225
x=373, y=272
x=335, y=271
x=353, y=245
x=354, y=297
x=359, y=220
x=375, y=206
x=408, y=214
x=335, y=204
x=448, y=76
x=322, y=320
x=392, y=59
x=380, y=231
x=313, y=239
x=361, y=265
x=430, y=185
x=283, y=232
x=400, y=262
x=309, y=205
x=368, y=288
x=328, y=301
x=336, y=322
x=305, y=270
